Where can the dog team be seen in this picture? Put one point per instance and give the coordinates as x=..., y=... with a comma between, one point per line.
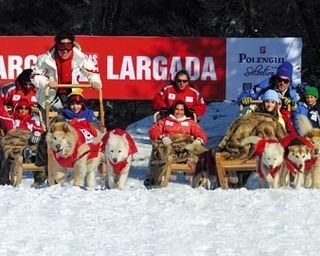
x=286, y=144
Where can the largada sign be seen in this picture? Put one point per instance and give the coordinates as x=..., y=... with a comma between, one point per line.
x=136, y=68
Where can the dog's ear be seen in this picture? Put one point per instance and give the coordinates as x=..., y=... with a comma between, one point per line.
x=52, y=128
x=66, y=127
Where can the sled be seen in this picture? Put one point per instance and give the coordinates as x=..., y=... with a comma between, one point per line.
x=173, y=166
x=223, y=166
x=49, y=114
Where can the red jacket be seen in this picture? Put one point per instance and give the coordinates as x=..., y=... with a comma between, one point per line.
x=169, y=94
x=14, y=93
x=15, y=121
x=171, y=125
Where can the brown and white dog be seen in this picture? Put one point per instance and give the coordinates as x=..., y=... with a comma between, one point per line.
x=298, y=151
x=269, y=161
x=312, y=179
x=118, y=147
x=75, y=145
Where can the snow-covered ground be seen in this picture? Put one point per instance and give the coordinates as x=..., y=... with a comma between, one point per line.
x=176, y=220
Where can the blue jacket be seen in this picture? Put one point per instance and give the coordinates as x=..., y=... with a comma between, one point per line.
x=86, y=113
x=313, y=113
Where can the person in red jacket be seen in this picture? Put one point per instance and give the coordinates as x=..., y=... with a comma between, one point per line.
x=21, y=88
x=180, y=89
x=177, y=123
x=21, y=119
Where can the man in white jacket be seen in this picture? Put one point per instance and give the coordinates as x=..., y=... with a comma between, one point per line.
x=62, y=65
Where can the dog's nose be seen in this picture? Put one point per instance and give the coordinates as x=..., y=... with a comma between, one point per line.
x=316, y=151
x=270, y=166
x=58, y=146
x=300, y=166
x=115, y=160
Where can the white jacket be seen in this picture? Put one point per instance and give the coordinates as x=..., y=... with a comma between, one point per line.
x=45, y=71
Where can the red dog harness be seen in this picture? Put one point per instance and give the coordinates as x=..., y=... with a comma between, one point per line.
x=119, y=166
x=259, y=149
x=85, y=134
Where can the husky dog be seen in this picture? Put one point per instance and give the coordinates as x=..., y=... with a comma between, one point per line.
x=75, y=145
x=295, y=163
x=269, y=159
x=312, y=178
x=298, y=150
x=119, y=148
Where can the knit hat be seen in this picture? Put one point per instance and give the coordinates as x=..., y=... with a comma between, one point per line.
x=313, y=91
x=76, y=95
x=22, y=103
x=285, y=69
x=271, y=95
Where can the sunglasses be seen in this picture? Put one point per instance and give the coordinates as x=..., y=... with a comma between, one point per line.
x=64, y=46
x=285, y=80
x=182, y=81
x=20, y=108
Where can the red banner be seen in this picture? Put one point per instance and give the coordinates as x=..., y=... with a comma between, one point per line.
x=131, y=67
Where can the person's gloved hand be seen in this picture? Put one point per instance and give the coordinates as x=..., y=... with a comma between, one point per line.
x=197, y=141
x=35, y=137
x=166, y=140
x=246, y=101
x=286, y=101
x=96, y=85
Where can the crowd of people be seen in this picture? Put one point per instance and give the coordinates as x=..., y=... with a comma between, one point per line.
x=22, y=102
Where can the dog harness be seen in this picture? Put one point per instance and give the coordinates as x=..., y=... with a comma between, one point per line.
x=119, y=166
x=259, y=149
x=296, y=140
x=85, y=133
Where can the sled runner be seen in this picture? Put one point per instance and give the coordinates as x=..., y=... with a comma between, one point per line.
x=49, y=115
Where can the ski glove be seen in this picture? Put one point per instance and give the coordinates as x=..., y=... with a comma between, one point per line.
x=197, y=141
x=246, y=101
x=287, y=101
x=166, y=140
x=35, y=137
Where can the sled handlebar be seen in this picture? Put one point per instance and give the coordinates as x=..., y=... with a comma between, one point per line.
x=102, y=116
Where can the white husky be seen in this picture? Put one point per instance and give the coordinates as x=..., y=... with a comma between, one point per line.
x=119, y=149
x=269, y=160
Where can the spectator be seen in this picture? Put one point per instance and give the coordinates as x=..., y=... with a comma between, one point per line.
x=180, y=89
x=58, y=66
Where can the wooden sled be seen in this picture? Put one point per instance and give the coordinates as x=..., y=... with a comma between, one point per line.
x=174, y=167
x=223, y=166
x=49, y=114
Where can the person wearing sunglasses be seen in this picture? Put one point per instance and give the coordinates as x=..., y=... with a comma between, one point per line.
x=61, y=65
x=180, y=89
x=21, y=119
x=21, y=88
x=281, y=82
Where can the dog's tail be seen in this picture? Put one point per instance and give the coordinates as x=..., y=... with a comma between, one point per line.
x=250, y=140
x=304, y=125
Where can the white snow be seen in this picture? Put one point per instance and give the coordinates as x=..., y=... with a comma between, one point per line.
x=176, y=220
